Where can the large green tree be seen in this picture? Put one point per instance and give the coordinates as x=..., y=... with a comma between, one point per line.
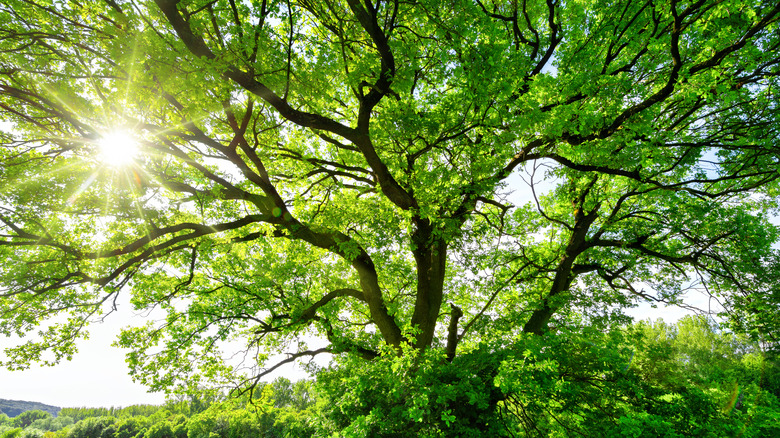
x=387, y=176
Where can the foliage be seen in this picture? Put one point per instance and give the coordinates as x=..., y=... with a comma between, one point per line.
x=93, y=427
x=720, y=369
x=175, y=427
x=414, y=395
x=27, y=418
x=296, y=395
x=283, y=409
x=425, y=185
x=649, y=380
x=31, y=432
x=224, y=423
x=52, y=423
x=118, y=412
x=131, y=427
x=11, y=433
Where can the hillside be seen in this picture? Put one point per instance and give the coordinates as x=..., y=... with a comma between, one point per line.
x=13, y=408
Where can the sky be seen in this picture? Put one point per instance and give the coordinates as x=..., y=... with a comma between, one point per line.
x=97, y=376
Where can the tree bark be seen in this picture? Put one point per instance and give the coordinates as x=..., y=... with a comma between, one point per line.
x=430, y=254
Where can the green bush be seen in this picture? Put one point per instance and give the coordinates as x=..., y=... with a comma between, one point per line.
x=52, y=424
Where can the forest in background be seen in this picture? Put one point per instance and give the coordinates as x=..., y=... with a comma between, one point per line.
x=12, y=408
x=282, y=409
x=683, y=379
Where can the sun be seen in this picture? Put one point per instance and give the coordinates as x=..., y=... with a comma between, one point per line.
x=118, y=148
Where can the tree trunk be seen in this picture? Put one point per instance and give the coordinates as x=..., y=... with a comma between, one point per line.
x=430, y=255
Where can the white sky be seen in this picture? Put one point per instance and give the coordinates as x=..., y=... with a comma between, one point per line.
x=97, y=376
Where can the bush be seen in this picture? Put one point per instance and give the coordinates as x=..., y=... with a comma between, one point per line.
x=414, y=396
x=32, y=433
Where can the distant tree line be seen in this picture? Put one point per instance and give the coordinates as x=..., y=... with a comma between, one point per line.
x=12, y=408
x=279, y=409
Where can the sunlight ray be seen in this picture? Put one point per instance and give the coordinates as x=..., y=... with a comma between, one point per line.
x=131, y=70
x=72, y=115
x=54, y=172
x=82, y=188
x=133, y=180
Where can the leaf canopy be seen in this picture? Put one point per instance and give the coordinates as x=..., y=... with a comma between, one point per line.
x=389, y=176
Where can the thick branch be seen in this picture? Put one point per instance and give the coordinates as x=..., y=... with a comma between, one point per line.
x=564, y=273
x=198, y=47
x=309, y=313
x=359, y=136
x=452, y=332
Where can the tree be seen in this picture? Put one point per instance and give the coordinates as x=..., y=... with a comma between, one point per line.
x=394, y=178
x=720, y=369
x=52, y=424
x=12, y=433
x=93, y=427
x=131, y=427
x=27, y=418
x=225, y=422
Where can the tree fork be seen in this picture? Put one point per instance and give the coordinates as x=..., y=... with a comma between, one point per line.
x=537, y=324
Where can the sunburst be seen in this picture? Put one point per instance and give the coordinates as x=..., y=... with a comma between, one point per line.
x=118, y=148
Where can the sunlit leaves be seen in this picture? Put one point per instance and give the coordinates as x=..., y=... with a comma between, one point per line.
x=363, y=172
